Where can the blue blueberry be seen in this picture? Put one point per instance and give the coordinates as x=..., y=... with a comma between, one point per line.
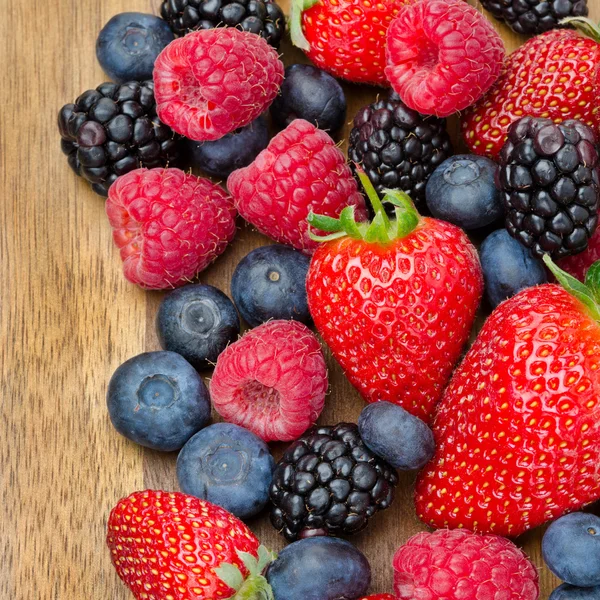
x=310, y=94
x=570, y=592
x=571, y=549
x=508, y=267
x=228, y=466
x=129, y=44
x=395, y=435
x=233, y=151
x=270, y=283
x=319, y=568
x=158, y=400
x=462, y=190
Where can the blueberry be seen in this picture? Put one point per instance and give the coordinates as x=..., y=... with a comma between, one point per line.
x=462, y=190
x=571, y=549
x=158, y=400
x=310, y=94
x=319, y=568
x=270, y=283
x=508, y=267
x=570, y=592
x=395, y=435
x=233, y=151
x=198, y=322
x=129, y=44
x=228, y=466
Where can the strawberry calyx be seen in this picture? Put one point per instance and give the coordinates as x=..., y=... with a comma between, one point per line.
x=584, y=25
x=381, y=229
x=253, y=587
x=297, y=7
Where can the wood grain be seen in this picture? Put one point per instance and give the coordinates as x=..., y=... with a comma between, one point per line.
x=68, y=319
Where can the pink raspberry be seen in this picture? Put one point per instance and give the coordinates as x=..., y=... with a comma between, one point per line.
x=442, y=56
x=272, y=381
x=460, y=565
x=168, y=225
x=214, y=81
x=300, y=170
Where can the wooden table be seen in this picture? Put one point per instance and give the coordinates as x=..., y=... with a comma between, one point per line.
x=68, y=319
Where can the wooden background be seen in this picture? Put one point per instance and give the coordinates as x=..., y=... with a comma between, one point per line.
x=68, y=319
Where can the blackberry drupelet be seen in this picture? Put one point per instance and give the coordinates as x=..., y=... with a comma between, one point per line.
x=550, y=182
x=397, y=147
x=263, y=17
x=535, y=16
x=114, y=129
x=329, y=482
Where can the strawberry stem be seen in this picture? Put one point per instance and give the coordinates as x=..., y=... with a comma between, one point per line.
x=253, y=587
x=584, y=25
x=297, y=7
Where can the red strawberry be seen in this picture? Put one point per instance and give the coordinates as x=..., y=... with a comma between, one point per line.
x=578, y=264
x=518, y=428
x=553, y=75
x=394, y=300
x=345, y=37
x=177, y=547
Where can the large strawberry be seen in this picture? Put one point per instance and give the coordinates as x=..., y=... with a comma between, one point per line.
x=518, y=428
x=553, y=75
x=394, y=300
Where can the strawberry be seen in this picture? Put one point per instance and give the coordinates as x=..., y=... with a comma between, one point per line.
x=394, y=299
x=518, y=428
x=345, y=37
x=178, y=547
x=553, y=75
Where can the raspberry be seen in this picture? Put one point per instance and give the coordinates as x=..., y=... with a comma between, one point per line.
x=442, y=56
x=212, y=82
x=300, y=170
x=272, y=381
x=380, y=597
x=460, y=565
x=168, y=225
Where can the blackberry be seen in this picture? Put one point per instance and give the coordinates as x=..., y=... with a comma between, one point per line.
x=550, y=183
x=263, y=17
x=114, y=129
x=535, y=16
x=397, y=147
x=329, y=482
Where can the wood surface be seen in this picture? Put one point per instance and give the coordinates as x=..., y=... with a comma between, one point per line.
x=68, y=319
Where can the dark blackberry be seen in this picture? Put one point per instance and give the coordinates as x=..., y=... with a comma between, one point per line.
x=263, y=17
x=397, y=147
x=535, y=16
x=329, y=482
x=114, y=129
x=550, y=182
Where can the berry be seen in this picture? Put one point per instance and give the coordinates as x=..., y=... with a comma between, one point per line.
x=301, y=171
x=198, y=322
x=380, y=597
x=129, y=43
x=158, y=400
x=549, y=175
x=462, y=190
x=270, y=283
x=310, y=94
x=397, y=147
x=571, y=549
x=404, y=441
x=113, y=130
x=168, y=225
x=323, y=568
x=344, y=37
x=228, y=466
x=508, y=267
x=233, y=151
x=272, y=381
x=570, y=592
x=161, y=541
x=329, y=483
x=552, y=76
x=459, y=565
x=214, y=81
x=442, y=56
x=261, y=17
x=578, y=264
x=386, y=294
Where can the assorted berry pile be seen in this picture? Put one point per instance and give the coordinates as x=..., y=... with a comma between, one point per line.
x=502, y=436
